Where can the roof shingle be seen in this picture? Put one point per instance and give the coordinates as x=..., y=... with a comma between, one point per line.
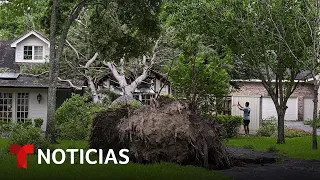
x=7, y=56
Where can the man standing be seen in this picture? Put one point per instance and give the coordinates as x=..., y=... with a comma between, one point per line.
x=246, y=116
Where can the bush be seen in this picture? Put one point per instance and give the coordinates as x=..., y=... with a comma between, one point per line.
x=28, y=135
x=310, y=122
x=269, y=127
x=290, y=133
x=27, y=122
x=38, y=122
x=6, y=129
x=230, y=124
x=74, y=118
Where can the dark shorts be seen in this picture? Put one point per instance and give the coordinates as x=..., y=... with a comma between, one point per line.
x=246, y=122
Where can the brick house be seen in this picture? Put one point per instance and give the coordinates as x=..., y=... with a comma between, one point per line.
x=300, y=104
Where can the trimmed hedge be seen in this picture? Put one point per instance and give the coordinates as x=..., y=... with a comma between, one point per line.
x=38, y=122
x=230, y=124
x=74, y=118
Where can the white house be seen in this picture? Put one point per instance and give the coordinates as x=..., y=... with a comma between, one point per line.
x=25, y=96
x=155, y=83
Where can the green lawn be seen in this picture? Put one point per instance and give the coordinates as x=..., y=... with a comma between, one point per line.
x=299, y=147
x=9, y=170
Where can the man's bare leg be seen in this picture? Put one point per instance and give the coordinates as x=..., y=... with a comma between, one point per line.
x=245, y=129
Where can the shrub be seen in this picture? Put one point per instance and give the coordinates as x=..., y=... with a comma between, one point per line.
x=38, y=122
x=27, y=122
x=74, y=117
x=310, y=122
x=74, y=130
x=291, y=132
x=28, y=135
x=230, y=124
x=269, y=127
x=6, y=129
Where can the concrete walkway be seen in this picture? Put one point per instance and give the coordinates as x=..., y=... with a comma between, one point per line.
x=299, y=125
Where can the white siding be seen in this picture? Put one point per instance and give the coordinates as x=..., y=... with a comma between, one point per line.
x=307, y=108
x=268, y=109
x=164, y=90
x=31, y=41
x=36, y=110
x=254, y=104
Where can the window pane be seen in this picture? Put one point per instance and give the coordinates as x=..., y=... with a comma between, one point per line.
x=22, y=106
x=27, y=53
x=5, y=106
x=38, y=52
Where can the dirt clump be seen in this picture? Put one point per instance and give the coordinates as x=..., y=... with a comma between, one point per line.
x=166, y=132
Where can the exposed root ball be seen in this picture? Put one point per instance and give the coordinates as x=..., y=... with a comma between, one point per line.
x=165, y=133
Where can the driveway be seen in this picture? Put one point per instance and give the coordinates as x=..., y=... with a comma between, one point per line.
x=292, y=169
x=299, y=125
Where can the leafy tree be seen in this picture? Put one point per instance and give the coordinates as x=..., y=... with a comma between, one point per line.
x=268, y=42
x=310, y=15
x=132, y=15
x=200, y=72
x=20, y=16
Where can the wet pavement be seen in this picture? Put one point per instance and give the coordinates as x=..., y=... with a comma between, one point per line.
x=284, y=168
x=299, y=125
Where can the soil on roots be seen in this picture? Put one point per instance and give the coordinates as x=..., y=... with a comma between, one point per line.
x=168, y=132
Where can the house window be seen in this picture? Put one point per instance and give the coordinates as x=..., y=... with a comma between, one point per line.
x=27, y=53
x=5, y=106
x=33, y=52
x=146, y=98
x=136, y=96
x=22, y=106
x=38, y=52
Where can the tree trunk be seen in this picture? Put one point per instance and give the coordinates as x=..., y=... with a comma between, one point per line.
x=50, y=129
x=315, y=116
x=95, y=96
x=281, y=114
x=55, y=55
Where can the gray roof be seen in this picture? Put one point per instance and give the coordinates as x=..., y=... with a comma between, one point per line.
x=28, y=81
x=7, y=56
x=7, y=60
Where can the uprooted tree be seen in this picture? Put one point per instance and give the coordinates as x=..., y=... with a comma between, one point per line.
x=135, y=17
x=173, y=130
x=134, y=51
x=167, y=132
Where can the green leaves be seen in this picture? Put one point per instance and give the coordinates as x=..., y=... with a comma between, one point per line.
x=124, y=28
x=74, y=117
x=19, y=16
x=201, y=70
x=211, y=77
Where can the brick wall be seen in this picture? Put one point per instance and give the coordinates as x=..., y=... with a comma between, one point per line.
x=256, y=89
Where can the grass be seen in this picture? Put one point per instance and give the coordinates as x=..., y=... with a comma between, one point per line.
x=299, y=147
x=9, y=170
